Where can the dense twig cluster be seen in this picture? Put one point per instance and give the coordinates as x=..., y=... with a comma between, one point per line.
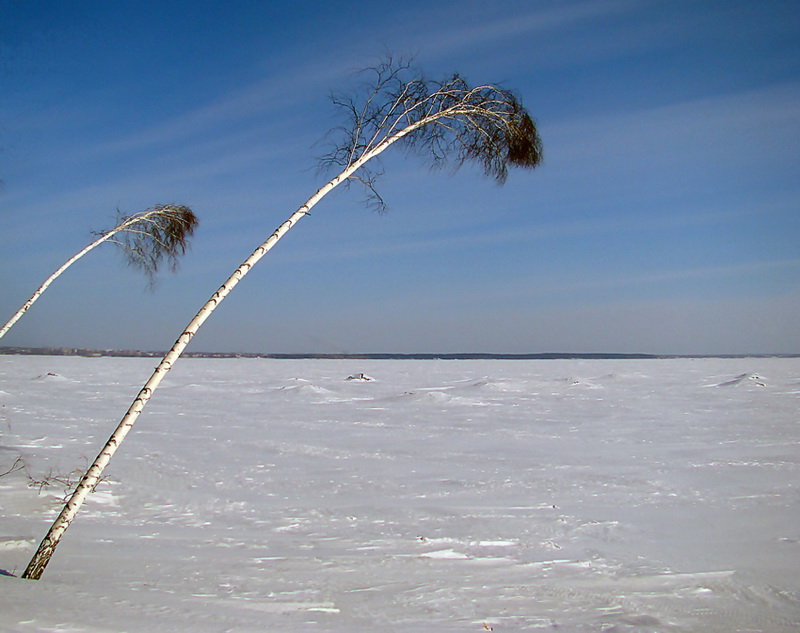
x=448, y=122
x=148, y=237
x=160, y=233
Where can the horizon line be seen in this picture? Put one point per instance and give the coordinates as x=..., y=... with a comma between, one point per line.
x=135, y=353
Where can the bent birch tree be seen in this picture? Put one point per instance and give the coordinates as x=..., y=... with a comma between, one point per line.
x=448, y=121
x=161, y=232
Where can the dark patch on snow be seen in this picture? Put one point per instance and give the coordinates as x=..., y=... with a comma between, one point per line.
x=362, y=377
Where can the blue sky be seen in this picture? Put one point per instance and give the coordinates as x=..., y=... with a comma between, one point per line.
x=663, y=220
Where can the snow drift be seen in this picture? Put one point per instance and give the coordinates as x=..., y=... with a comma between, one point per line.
x=253, y=495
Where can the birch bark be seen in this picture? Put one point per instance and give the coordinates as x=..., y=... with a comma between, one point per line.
x=134, y=224
x=26, y=306
x=485, y=125
x=92, y=476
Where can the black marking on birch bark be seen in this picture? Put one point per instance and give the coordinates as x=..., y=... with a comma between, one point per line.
x=144, y=395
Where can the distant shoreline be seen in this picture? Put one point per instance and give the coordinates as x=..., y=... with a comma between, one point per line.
x=94, y=353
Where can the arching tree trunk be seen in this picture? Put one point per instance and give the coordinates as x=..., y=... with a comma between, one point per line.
x=484, y=124
x=25, y=306
x=92, y=476
x=165, y=231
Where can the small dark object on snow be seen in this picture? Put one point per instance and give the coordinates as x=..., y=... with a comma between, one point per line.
x=359, y=377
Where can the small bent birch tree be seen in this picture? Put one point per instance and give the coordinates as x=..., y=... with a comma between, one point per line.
x=448, y=121
x=148, y=237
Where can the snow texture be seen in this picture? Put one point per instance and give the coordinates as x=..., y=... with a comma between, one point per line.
x=265, y=495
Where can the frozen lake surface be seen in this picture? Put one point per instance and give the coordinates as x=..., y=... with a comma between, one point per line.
x=442, y=496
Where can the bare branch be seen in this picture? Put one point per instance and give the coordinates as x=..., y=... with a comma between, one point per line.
x=447, y=122
x=158, y=234
x=161, y=232
x=444, y=121
x=19, y=464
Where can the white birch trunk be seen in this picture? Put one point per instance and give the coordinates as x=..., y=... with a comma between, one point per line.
x=106, y=236
x=92, y=476
x=50, y=280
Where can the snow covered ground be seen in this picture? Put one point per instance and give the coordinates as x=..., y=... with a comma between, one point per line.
x=265, y=495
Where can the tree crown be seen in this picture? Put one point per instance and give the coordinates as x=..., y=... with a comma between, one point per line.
x=161, y=233
x=449, y=122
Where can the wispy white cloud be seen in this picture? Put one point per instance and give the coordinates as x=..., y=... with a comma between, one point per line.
x=521, y=24
x=459, y=238
x=661, y=277
x=732, y=120
x=519, y=291
x=281, y=92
